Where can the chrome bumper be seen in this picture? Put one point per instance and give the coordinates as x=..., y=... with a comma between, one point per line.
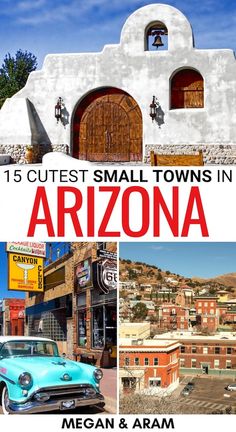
x=34, y=407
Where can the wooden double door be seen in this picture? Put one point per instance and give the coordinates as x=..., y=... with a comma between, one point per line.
x=108, y=129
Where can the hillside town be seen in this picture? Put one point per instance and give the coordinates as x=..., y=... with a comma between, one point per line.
x=177, y=333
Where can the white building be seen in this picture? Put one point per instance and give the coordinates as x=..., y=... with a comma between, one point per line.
x=106, y=96
x=171, y=280
x=127, y=285
x=135, y=330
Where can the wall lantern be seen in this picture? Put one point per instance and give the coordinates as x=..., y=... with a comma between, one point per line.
x=153, y=108
x=58, y=109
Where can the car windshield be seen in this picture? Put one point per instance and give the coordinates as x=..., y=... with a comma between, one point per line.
x=28, y=348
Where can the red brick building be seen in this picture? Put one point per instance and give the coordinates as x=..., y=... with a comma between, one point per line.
x=206, y=312
x=184, y=297
x=78, y=308
x=95, y=303
x=221, y=311
x=13, y=317
x=148, y=365
x=229, y=317
x=173, y=317
x=227, y=314
x=199, y=354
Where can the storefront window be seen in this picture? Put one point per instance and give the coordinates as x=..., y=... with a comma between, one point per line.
x=82, y=328
x=50, y=324
x=110, y=325
x=104, y=326
x=98, y=327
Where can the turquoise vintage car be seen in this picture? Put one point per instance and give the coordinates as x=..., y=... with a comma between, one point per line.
x=35, y=379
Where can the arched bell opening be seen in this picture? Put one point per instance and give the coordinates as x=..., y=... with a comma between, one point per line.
x=107, y=127
x=156, y=37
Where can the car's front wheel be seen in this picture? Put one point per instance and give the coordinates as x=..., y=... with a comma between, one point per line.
x=5, y=401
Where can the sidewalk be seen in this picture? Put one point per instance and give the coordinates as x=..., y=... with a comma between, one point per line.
x=109, y=388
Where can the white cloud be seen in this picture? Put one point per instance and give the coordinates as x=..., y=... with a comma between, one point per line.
x=157, y=247
x=30, y=5
x=78, y=9
x=213, y=21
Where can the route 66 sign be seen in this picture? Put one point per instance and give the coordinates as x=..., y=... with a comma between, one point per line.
x=105, y=275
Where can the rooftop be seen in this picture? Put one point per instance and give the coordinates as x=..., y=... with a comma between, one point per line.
x=138, y=324
x=230, y=301
x=146, y=343
x=179, y=336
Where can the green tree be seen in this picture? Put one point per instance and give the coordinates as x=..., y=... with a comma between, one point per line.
x=192, y=284
x=132, y=274
x=212, y=290
x=14, y=73
x=139, y=311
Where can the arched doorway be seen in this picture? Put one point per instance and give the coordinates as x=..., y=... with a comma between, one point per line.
x=107, y=127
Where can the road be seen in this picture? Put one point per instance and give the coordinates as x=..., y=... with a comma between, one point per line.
x=208, y=396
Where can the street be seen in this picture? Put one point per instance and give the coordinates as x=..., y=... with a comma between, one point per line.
x=208, y=396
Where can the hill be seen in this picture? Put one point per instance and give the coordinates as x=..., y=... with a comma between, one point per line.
x=227, y=280
x=143, y=273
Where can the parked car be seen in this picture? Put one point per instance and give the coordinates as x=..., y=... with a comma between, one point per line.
x=191, y=385
x=231, y=387
x=34, y=378
x=186, y=391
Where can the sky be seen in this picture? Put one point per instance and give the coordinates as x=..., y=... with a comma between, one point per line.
x=187, y=259
x=49, y=26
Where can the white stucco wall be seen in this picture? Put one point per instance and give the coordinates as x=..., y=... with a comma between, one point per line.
x=140, y=73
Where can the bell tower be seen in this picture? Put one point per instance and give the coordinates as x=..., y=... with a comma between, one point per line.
x=156, y=37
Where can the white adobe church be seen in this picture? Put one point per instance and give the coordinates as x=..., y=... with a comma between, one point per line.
x=103, y=100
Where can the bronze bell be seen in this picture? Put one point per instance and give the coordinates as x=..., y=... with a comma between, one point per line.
x=157, y=42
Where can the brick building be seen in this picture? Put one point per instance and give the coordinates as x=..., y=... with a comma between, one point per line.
x=95, y=302
x=227, y=313
x=184, y=297
x=206, y=313
x=199, y=354
x=49, y=313
x=221, y=311
x=229, y=317
x=13, y=317
x=73, y=310
x=173, y=317
x=148, y=365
